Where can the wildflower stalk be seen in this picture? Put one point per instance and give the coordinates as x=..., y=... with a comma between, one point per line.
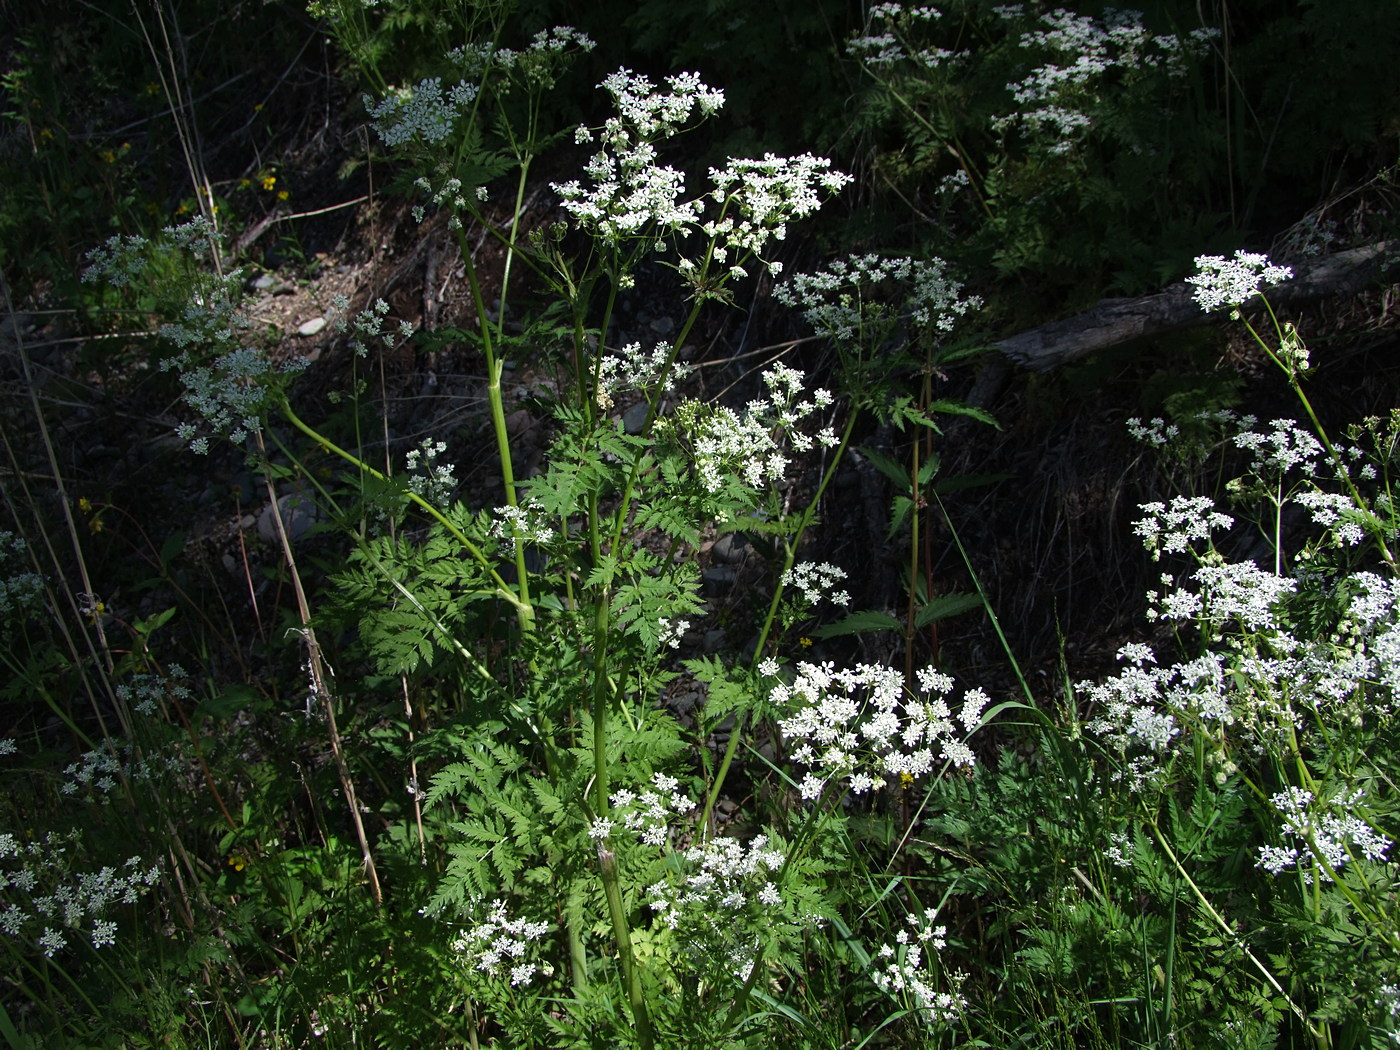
x=321, y=690
x=494, y=367
x=607, y=863
x=804, y=520
x=525, y=612
x=1317, y=1035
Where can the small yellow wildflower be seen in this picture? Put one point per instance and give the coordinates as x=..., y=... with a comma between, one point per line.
x=237, y=862
x=283, y=194
x=805, y=642
x=152, y=88
x=906, y=780
x=108, y=157
x=269, y=181
x=85, y=504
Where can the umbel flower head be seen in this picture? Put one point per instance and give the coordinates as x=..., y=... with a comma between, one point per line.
x=862, y=725
x=1231, y=282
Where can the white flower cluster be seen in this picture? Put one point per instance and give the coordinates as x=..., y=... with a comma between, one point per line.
x=669, y=632
x=1232, y=282
x=1374, y=615
x=535, y=64
x=40, y=889
x=21, y=591
x=647, y=815
x=903, y=971
x=758, y=198
x=523, y=524
x=726, y=878
x=97, y=772
x=1136, y=706
x=751, y=443
x=853, y=293
x=1087, y=50
x=632, y=369
x=1156, y=432
x=427, y=112
x=1172, y=529
x=498, y=945
x=437, y=481
x=1285, y=447
x=146, y=692
x=1338, y=513
x=862, y=726
x=229, y=385
x=886, y=42
x=1389, y=1002
x=817, y=581
x=631, y=195
x=1262, y=687
x=1239, y=591
x=1332, y=836
x=369, y=324
x=231, y=393
x=119, y=262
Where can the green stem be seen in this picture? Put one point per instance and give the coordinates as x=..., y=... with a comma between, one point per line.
x=806, y=519
x=1229, y=931
x=523, y=609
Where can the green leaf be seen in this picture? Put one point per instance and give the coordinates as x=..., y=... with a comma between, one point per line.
x=945, y=606
x=891, y=468
x=860, y=623
x=233, y=699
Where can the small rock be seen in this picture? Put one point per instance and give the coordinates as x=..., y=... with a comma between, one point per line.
x=263, y=282
x=298, y=512
x=731, y=548
x=635, y=418
x=717, y=581
x=662, y=326
x=311, y=327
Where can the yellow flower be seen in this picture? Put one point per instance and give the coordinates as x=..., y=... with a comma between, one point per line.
x=85, y=505
x=269, y=181
x=237, y=862
x=152, y=88
x=804, y=642
x=45, y=134
x=96, y=525
x=283, y=195
x=108, y=157
x=243, y=184
x=906, y=781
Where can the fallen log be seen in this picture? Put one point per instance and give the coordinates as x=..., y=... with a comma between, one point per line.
x=1112, y=322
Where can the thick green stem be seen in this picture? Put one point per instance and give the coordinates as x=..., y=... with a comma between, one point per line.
x=607, y=863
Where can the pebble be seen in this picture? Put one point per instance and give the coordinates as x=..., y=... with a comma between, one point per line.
x=635, y=418
x=731, y=548
x=312, y=327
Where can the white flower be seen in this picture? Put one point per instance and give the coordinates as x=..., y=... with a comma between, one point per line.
x=1231, y=282
x=816, y=582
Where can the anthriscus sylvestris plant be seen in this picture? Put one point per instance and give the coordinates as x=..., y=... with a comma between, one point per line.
x=1281, y=695
x=585, y=859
